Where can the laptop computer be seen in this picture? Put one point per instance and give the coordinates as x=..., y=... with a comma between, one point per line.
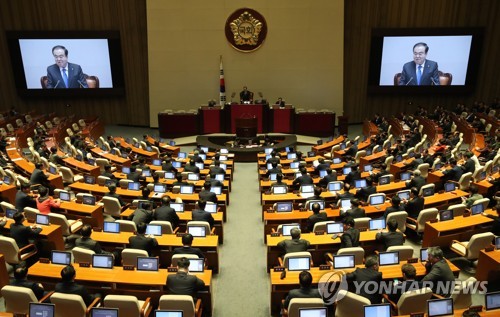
x=377, y=199
x=346, y=170
x=477, y=209
x=268, y=150
x=334, y=227
x=388, y=258
x=193, y=177
x=133, y=186
x=343, y=261
x=178, y=207
x=335, y=186
x=399, y=158
x=377, y=224
x=294, y=165
x=286, y=206
x=168, y=313
x=423, y=255
x=187, y=189
x=79, y=157
x=428, y=192
x=320, y=202
x=197, y=231
x=91, y=162
x=405, y=176
x=171, y=143
x=88, y=200
x=497, y=243
x=196, y=265
x=439, y=307
x=42, y=219
x=216, y=190
x=104, y=312
x=9, y=213
x=88, y=179
x=182, y=155
x=342, y=146
x=404, y=194
x=211, y=208
x=154, y=230
x=42, y=310
x=224, y=151
x=291, y=156
x=492, y=300
x=449, y=187
x=299, y=264
x=102, y=261
x=111, y=227
x=285, y=229
x=52, y=170
x=176, y=164
x=160, y=188
x=60, y=257
x=269, y=166
x=367, y=168
x=223, y=158
x=378, y=310
x=360, y=183
x=278, y=190
x=438, y=166
x=109, y=182
x=147, y=263
x=313, y=312
x=6, y=180
x=386, y=179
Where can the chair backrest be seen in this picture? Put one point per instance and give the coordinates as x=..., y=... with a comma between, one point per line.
x=82, y=123
x=166, y=226
x=82, y=255
x=10, y=127
x=477, y=173
x=458, y=209
x=75, y=127
x=30, y=213
x=129, y=256
x=101, y=180
x=127, y=225
x=58, y=219
x=124, y=183
x=143, y=145
x=426, y=186
x=424, y=169
x=484, y=201
x=297, y=303
x=464, y=181
x=17, y=299
x=400, y=217
x=362, y=222
x=351, y=304
x=413, y=301
x=178, y=302
x=69, y=132
x=296, y=255
x=68, y=305
x=359, y=155
x=358, y=252
x=405, y=251
x=67, y=174
x=321, y=226
x=19, y=123
x=200, y=223
x=477, y=243
x=101, y=162
x=461, y=299
x=388, y=162
x=424, y=216
x=10, y=250
x=176, y=257
x=5, y=205
x=128, y=305
x=112, y=206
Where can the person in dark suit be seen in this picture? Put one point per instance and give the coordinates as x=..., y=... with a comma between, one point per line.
x=296, y=244
x=409, y=283
x=216, y=169
x=416, y=181
x=396, y=206
x=391, y=238
x=246, y=95
x=54, y=157
x=275, y=169
x=68, y=285
x=303, y=179
x=63, y=74
x=353, y=175
x=352, y=150
x=107, y=173
x=317, y=216
x=167, y=166
x=420, y=71
x=280, y=102
x=134, y=175
x=454, y=173
x=38, y=176
x=415, y=204
x=367, y=274
x=112, y=193
x=187, y=241
x=141, y=241
x=86, y=242
x=23, y=235
x=329, y=177
x=182, y=283
x=142, y=215
x=179, y=181
x=346, y=193
x=23, y=199
x=438, y=270
x=363, y=193
x=350, y=237
x=199, y=213
x=20, y=279
x=166, y=213
x=413, y=165
x=316, y=196
x=279, y=182
x=191, y=167
x=206, y=195
x=355, y=211
x=305, y=290
x=383, y=171
x=470, y=165
x=322, y=166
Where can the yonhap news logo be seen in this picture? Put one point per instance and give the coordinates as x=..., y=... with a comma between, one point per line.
x=332, y=286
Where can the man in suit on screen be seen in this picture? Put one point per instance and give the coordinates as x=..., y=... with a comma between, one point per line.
x=63, y=74
x=420, y=71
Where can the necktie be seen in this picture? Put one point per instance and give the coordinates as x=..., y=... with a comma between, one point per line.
x=419, y=74
x=65, y=77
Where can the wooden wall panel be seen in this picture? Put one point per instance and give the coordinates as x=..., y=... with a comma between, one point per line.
x=362, y=16
x=126, y=16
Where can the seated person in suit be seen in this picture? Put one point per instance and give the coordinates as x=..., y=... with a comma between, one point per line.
x=346, y=194
x=474, y=195
x=275, y=169
x=279, y=182
x=107, y=172
x=196, y=157
x=317, y=216
x=141, y=241
x=134, y=175
x=355, y=211
x=216, y=169
x=454, y=173
x=179, y=181
x=206, y=195
x=369, y=273
x=470, y=165
x=112, y=193
x=44, y=203
x=86, y=242
x=146, y=140
x=142, y=164
x=391, y=238
x=187, y=241
x=23, y=198
x=68, y=285
x=415, y=204
x=415, y=163
x=214, y=182
x=329, y=177
x=167, y=166
x=352, y=150
x=305, y=290
x=38, y=176
x=296, y=244
x=322, y=166
x=363, y=193
x=166, y=213
x=303, y=179
x=280, y=102
x=382, y=171
x=317, y=195
x=55, y=158
x=409, y=283
x=396, y=206
x=416, y=181
x=20, y=279
x=199, y=213
x=350, y=237
x=352, y=176
x=23, y=235
x=142, y=215
x=438, y=271
x=182, y=283
x=275, y=158
x=191, y=167
x=246, y=95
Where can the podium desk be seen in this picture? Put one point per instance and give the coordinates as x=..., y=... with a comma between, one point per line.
x=142, y=284
x=488, y=264
x=327, y=147
x=167, y=243
x=51, y=233
x=370, y=159
x=444, y=199
x=212, y=120
x=89, y=214
x=281, y=119
x=137, y=150
x=315, y=123
x=118, y=160
x=237, y=111
x=82, y=167
x=8, y=192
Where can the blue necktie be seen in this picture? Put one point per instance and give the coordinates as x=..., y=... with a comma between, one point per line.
x=65, y=77
x=419, y=74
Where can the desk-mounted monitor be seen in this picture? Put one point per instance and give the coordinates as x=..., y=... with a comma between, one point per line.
x=405, y=176
x=285, y=229
x=285, y=206
x=334, y=227
x=42, y=309
x=60, y=257
x=104, y=312
x=388, y=258
x=377, y=310
x=299, y=263
x=439, y=307
x=147, y=263
x=343, y=261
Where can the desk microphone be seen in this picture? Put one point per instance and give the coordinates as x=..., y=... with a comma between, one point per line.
x=57, y=84
x=409, y=81
x=81, y=84
x=435, y=84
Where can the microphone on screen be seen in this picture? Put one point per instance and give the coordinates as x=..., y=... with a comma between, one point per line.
x=81, y=84
x=409, y=81
x=435, y=84
x=57, y=84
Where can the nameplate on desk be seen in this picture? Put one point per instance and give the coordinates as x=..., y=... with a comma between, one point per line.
x=17, y=159
x=325, y=267
x=30, y=220
x=433, y=220
x=19, y=315
x=172, y=269
x=84, y=264
x=466, y=214
x=319, y=232
x=362, y=229
x=270, y=211
x=278, y=269
x=489, y=249
x=412, y=260
x=275, y=234
x=11, y=149
x=44, y=260
x=476, y=308
x=417, y=315
x=97, y=229
x=128, y=267
x=180, y=234
x=302, y=209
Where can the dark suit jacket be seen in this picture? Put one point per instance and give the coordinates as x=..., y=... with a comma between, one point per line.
x=136, y=176
x=143, y=243
x=245, y=95
x=76, y=289
x=23, y=200
x=453, y=174
x=88, y=243
x=429, y=77
x=23, y=234
x=38, y=177
x=417, y=181
x=166, y=213
x=293, y=245
x=414, y=206
x=202, y=215
x=440, y=271
x=314, y=218
x=365, y=192
x=405, y=286
x=75, y=77
x=390, y=239
x=328, y=178
x=366, y=275
x=309, y=292
x=352, y=176
x=355, y=213
x=37, y=290
x=350, y=238
x=142, y=215
x=191, y=168
x=302, y=180
x=189, y=250
x=469, y=166
x=182, y=283
x=207, y=195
